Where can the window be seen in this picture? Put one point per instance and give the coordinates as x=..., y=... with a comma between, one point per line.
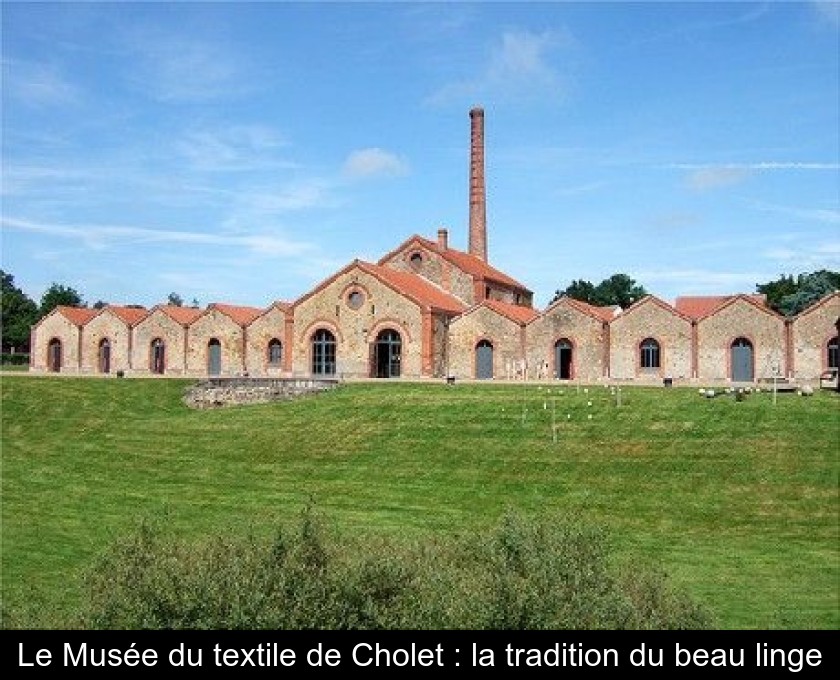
x=157, y=356
x=275, y=352
x=833, y=350
x=355, y=300
x=323, y=353
x=416, y=260
x=649, y=359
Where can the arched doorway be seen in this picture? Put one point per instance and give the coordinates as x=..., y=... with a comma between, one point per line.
x=157, y=356
x=54, y=355
x=742, y=360
x=387, y=354
x=563, y=359
x=214, y=357
x=323, y=353
x=484, y=360
x=833, y=353
x=105, y=355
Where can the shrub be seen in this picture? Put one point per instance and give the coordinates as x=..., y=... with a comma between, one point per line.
x=523, y=574
x=16, y=359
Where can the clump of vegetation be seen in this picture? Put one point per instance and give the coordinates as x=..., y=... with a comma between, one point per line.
x=523, y=574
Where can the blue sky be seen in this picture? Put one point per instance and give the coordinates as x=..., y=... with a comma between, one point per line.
x=245, y=152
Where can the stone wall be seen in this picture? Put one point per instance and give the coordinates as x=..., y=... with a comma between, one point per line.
x=586, y=334
x=436, y=269
x=242, y=391
x=650, y=318
x=483, y=323
x=106, y=326
x=810, y=332
x=214, y=324
x=158, y=325
x=261, y=331
x=56, y=325
x=356, y=330
x=716, y=333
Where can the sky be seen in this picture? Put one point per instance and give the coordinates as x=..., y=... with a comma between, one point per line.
x=244, y=152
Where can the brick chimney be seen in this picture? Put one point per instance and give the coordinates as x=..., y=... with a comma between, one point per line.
x=443, y=239
x=478, y=199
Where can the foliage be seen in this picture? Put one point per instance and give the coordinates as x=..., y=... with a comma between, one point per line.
x=59, y=295
x=19, y=312
x=790, y=296
x=175, y=300
x=16, y=359
x=525, y=574
x=618, y=289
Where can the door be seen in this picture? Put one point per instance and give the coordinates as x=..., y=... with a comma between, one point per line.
x=742, y=360
x=387, y=354
x=105, y=356
x=563, y=360
x=158, y=356
x=214, y=357
x=54, y=355
x=484, y=360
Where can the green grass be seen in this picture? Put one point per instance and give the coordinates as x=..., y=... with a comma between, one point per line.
x=737, y=501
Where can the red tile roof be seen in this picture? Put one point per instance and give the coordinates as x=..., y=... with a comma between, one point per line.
x=517, y=313
x=696, y=307
x=240, y=315
x=472, y=265
x=415, y=287
x=183, y=315
x=130, y=315
x=77, y=315
x=600, y=313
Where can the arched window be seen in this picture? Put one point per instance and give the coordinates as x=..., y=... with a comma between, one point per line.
x=54, y=355
x=157, y=356
x=833, y=352
x=214, y=357
x=649, y=359
x=323, y=353
x=387, y=354
x=105, y=355
x=275, y=352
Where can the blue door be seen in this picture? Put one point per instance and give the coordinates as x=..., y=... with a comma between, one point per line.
x=484, y=360
x=214, y=357
x=742, y=360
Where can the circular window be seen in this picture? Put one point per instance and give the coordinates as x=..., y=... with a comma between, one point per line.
x=355, y=300
x=416, y=260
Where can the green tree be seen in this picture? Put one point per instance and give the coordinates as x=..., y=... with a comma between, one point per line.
x=57, y=295
x=789, y=296
x=175, y=299
x=19, y=313
x=619, y=290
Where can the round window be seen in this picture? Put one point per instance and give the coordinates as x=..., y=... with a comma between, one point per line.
x=416, y=260
x=355, y=300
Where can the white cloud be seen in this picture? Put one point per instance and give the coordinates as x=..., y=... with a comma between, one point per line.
x=101, y=237
x=827, y=10
x=37, y=85
x=234, y=148
x=827, y=216
x=806, y=256
x=374, y=162
x=715, y=178
x=518, y=66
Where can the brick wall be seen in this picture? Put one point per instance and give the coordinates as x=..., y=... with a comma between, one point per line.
x=158, y=325
x=214, y=324
x=259, y=333
x=56, y=325
x=811, y=332
x=106, y=326
x=482, y=323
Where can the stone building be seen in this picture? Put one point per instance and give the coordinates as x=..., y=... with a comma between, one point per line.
x=427, y=310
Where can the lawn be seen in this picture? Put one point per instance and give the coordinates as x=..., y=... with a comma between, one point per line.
x=736, y=500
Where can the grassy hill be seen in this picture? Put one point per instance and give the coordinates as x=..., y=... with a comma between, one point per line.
x=736, y=500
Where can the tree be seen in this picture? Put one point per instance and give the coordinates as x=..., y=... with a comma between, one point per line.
x=59, y=295
x=18, y=315
x=618, y=289
x=175, y=300
x=789, y=296
x=100, y=304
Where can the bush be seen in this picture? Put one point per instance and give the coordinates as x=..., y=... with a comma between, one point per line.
x=16, y=359
x=524, y=574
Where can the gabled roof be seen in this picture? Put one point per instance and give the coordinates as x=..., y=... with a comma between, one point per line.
x=470, y=264
x=415, y=287
x=599, y=313
x=77, y=315
x=517, y=313
x=129, y=315
x=183, y=315
x=283, y=307
x=757, y=301
x=652, y=299
x=239, y=315
x=819, y=303
x=698, y=306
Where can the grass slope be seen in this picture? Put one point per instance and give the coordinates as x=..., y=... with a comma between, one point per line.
x=738, y=501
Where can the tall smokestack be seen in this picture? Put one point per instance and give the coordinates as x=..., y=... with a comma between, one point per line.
x=478, y=198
